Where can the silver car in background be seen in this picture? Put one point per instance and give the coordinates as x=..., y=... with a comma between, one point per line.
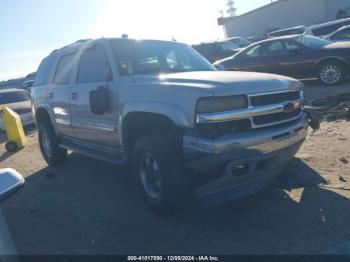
x=19, y=101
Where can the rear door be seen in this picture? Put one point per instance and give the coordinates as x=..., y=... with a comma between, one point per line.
x=251, y=60
x=59, y=92
x=276, y=58
x=93, y=72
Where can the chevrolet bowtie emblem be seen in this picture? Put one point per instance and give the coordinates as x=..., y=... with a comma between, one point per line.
x=290, y=106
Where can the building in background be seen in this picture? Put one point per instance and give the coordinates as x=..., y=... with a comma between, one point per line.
x=282, y=14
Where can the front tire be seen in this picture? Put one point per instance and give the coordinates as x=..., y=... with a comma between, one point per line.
x=157, y=167
x=49, y=145
x=331, y=73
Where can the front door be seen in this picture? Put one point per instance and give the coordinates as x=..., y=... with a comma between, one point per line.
x=94, y=71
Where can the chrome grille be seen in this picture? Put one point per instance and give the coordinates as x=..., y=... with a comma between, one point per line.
x=277, y=117
x=264, y=110
x=275, y=98
x=261, y=100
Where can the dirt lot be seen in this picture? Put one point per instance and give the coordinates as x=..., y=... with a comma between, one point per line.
x=91, y=207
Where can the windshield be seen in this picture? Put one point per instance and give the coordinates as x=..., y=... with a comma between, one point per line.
x=153, y=57
x=240, y=42
x=228, y=46
x=13, y=97
x=312, y=42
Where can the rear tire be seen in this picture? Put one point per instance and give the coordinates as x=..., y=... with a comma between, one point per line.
x=49, y=145
x=159, y=173
x=331, y=73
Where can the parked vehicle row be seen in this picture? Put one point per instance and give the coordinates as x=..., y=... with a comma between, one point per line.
x=297, y=56
x=298, y=30
x=319, y=30
x=216, y=50
x=301, y=54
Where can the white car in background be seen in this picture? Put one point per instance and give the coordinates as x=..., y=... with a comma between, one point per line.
x=340, y=35
x=19, y=101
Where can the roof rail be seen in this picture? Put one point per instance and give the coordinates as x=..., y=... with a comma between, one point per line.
x=75, y=43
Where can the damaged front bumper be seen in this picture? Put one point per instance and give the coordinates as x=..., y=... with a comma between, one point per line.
x=246, y=162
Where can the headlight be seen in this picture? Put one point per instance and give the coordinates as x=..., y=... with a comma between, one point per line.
x=221, y=104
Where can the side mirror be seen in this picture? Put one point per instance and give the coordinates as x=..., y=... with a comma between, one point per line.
x=99, y=100
x=10, y=182
x=28, y=84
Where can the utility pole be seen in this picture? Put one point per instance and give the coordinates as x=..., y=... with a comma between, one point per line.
x=222, y=23
x=231, y=11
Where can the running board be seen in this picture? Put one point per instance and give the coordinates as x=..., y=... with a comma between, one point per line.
x=118, y=159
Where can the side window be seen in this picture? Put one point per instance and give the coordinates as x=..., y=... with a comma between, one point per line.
x=274, y=49
x=44, y=70
x=64, y=69
x=253, y=52
x=292, y=47
x=342, y=35
x=228, y=46
x=326, y=29
x=94, y=65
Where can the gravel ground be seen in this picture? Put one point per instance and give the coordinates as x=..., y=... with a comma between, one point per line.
x=91, y=207
x=313, y=89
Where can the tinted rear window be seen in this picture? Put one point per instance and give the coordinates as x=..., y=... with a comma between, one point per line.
x=13, y=97
x=44, y=70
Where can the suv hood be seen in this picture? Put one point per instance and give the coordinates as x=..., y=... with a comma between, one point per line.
x=221, y=83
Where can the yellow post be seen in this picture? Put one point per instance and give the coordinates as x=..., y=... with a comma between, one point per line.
x=14, y=129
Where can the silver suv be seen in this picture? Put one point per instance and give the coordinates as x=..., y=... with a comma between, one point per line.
x=166, y=110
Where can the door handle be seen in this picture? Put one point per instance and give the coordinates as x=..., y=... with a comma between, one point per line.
x=50, y=95
x=74, y=95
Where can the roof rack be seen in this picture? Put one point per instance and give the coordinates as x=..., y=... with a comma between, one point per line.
x=75, y=43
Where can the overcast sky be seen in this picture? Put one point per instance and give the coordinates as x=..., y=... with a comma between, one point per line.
x=31, y=29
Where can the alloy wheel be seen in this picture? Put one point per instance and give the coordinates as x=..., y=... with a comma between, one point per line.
x=46, y=144
x=150, y=175
x=331, y=74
